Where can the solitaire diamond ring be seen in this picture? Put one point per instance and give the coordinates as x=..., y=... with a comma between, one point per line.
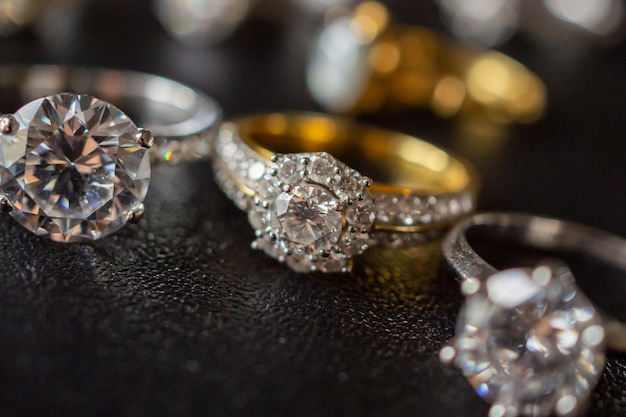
x=527, y=339
x=74, y=167
x=313, y=211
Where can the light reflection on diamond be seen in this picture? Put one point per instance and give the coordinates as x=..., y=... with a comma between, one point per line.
x=524, y=349
x=307, y=218
x=73, y=171
x=302, y=220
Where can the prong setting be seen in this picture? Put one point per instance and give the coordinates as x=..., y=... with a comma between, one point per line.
x=136, y=214
x=5, y=206
x=9, y=124
x=145, y=138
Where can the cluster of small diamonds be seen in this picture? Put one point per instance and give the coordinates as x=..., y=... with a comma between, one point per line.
x=185, y=149
x=400, y=210
x=236, y=165
x=344, y=185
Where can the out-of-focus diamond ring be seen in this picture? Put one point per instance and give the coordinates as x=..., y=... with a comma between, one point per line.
x=74, y=167
x=527, y=339
x=314, y=212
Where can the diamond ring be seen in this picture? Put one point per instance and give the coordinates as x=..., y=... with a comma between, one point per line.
x=313, y=211
x=527, y=339
x=74, y=167
x=364, y=62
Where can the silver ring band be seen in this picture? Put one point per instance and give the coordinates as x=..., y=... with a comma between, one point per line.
x=183, y=120
x=539, y=233
x=76, y=167
x=527, y=339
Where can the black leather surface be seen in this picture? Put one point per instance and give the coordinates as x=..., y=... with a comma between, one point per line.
x=177, y=316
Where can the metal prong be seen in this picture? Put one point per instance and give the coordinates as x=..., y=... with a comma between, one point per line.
x=330, y=181
x=324, y=253
x=275, y=157
x=447, y=354
x=286, y=188
x=9, y=124
x=136, y=214
x=304, y=160
x=360, y=196
x=337, y=170
x=5, y=206
x=273, y=172
x=367, y=182
x=145, y=138
x=265, y=204
x=272, y=236
x=470, y=286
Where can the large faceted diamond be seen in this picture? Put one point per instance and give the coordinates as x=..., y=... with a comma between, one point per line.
x=530, y=342
x=308, y=219
x=74, y=170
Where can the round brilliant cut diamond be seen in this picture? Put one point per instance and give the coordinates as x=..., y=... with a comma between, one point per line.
x=73, y=170
x=308, y=218
x=528, y=339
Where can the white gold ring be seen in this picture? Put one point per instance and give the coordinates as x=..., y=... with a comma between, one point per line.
x=74, y=167
x=527, y=339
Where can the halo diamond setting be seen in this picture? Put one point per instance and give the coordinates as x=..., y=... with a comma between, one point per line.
x=312, y=212
x=74, y=167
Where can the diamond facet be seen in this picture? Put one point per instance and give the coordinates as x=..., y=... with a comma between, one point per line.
x=74, y=169
x=305, y=220
x=308, y=219
x=527, y=341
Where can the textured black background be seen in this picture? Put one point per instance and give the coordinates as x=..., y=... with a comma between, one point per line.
x=177, y=316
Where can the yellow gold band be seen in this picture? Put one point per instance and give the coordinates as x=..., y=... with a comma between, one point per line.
x=407, y=165
x=304, y=179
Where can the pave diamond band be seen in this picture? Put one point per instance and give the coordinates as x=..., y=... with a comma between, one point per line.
x=527, y=339
x=314, y=212
x=74, y=167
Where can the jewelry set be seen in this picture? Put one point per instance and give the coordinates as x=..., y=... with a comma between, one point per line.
x=75, y=168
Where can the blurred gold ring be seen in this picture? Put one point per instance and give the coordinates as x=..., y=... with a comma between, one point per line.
x=313, y=211
x=363, y=62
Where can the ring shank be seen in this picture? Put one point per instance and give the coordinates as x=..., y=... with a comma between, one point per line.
x=538, y=233
x=183, y=120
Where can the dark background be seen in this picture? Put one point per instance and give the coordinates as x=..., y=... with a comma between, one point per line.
x=177, y=316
